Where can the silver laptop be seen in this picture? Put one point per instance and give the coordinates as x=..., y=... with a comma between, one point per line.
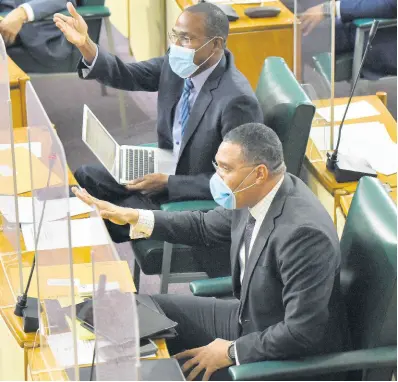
x=124, y=163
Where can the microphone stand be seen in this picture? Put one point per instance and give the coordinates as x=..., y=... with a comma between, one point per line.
x=27, y=307
x=345, y=168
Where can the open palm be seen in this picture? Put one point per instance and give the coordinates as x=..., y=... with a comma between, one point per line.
x=74, y=28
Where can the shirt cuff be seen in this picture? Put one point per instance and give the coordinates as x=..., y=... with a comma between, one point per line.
x=144, y=227
x=87, y=71
x=236, y=355
x=338, y=14
x=29, y=11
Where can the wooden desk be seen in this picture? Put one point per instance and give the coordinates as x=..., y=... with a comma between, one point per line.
x=253, y=40
x=18, y=80
x=322, y=181
x=15, y=343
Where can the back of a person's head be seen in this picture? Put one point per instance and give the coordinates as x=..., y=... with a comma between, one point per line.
x=260, y=145
x=217, y=24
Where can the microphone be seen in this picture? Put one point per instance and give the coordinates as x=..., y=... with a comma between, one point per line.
x=345, y=168
x=27, y=307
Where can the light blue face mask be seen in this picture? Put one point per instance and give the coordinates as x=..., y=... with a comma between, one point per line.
x=181, y=60
x=222, y=194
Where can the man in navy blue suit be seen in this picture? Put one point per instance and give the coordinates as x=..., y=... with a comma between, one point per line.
x=382, y=59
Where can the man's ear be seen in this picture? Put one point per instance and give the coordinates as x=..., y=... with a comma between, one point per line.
x=261, y=174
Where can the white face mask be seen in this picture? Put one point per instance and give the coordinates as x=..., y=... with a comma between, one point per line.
x=181, y=60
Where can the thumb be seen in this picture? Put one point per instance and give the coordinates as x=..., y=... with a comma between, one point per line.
x=112, y=216
x=72, y=10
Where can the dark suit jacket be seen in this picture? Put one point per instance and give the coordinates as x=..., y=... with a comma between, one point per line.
x=225, y=101
x=290, y=303
x=382, y=59
x=42, y=39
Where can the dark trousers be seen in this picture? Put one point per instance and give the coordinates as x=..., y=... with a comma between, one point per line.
x=100, y=184
x=200, y=321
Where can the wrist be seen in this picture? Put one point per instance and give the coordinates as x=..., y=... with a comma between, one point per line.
x=22, y=15
x=132, y=216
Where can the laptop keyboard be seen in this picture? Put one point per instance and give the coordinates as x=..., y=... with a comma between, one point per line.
x=140, y=162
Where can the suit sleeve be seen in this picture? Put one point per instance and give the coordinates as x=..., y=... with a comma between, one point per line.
x=111, y=71
x=307, y=263
x=356, y=9
x=44, y=8
x=238, y=111
x=193, y=228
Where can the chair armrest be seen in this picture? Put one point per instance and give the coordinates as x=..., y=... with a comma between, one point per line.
x=189, y=205
x=367, y=23
x=331, y=363
x=218, y=287
x=88, y=12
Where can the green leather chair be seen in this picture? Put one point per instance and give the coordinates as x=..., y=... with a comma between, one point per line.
x=174, y=263
x=369, y=287
x=347, y=64
x=93, y=12
x=287, y=110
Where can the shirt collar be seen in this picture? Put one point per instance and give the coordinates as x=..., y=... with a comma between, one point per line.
x=261, y=208
x=200, y=79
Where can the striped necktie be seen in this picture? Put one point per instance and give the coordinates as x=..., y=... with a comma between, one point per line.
x=185, y=106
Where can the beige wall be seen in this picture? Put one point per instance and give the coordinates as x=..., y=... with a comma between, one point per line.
x=118, y=10
x=147, y=28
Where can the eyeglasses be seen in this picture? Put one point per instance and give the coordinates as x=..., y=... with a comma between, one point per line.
x=184, y=40
x=228, y=170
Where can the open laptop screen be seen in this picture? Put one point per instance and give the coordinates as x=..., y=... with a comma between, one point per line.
x=100, y=141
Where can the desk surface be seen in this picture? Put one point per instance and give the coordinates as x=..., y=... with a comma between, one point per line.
x=318, y=166
x=7, y=298
x=345, y=200
x=246, y=24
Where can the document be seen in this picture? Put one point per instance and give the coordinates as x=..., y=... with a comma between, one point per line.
x=369, y=141
x=53, y=235
x=34, y=146
x=360, y=109
x=53, y=210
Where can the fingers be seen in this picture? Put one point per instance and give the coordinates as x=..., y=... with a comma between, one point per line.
x=72, y=10
x=194, y=373
x=189, y=364
x=61, y=25
x=138, y=186
x=136, y=181
x=208, y=373
x=83, y=195
x=187, y=353
x=60, y=16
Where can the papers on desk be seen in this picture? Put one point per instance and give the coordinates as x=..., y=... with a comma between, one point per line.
x=369, y=141
x=54, y=235
x=34, y=146
x=54, y=210
x=360, y=109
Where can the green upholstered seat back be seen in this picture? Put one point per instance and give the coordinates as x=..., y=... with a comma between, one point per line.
x=369, y=267
x=287, y=110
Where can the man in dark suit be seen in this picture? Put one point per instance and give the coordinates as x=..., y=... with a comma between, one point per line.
x=201, y=96
x=382, y=59
x=34, y=44
x=285, y=261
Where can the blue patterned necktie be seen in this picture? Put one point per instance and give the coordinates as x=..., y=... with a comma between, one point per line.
x=185, y=106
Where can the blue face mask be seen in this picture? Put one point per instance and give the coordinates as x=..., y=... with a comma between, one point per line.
x=181, y=60
x=222, y=194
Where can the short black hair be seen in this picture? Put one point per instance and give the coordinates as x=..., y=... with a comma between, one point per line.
x=260, y=145
x=217, y=24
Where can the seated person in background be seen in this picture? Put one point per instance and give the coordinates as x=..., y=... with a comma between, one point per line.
x=382, y=58
x=285, y=259
x=201, y=96
x=32, y=45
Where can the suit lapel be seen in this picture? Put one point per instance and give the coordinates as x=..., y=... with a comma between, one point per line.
x=202, y=102
x=265, y=231
x=235, y=249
